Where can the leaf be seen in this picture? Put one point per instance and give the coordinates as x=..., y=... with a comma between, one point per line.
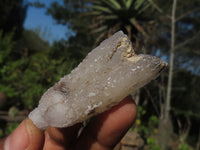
x=101, y=8
x=128, y=3
x=137, y=26
x=111, y=17
x=144, y=8
x=100, y=29
x=95, y=12
x=138, y=4
x=113, y=3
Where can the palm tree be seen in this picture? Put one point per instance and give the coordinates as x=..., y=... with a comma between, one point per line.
x=110, y=16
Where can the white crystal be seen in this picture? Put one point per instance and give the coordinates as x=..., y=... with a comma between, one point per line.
x=91, y=94
x=134, y=69
x=92, y=88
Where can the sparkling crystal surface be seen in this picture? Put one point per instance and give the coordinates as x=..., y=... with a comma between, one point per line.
x=108, y=74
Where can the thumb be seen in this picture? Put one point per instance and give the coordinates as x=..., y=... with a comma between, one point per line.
x=25, y=136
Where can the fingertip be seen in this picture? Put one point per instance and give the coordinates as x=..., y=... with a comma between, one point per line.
x=122, y=114
x=117, y=121
x=36, y=136
x=128, y=109
x=25, y=136
x=106, y=129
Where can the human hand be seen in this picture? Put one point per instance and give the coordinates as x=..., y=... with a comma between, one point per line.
x=103, y=132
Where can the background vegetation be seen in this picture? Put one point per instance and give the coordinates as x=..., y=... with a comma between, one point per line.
x=168, y=108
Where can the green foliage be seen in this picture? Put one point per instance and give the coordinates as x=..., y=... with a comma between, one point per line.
x=141, y=128
x=153, y=122
x=141, y=112
x=5, y=51
x=152, y=144
x=25, y=76
x=13, y=111
x=5, y=46
x=10, y=128
x=184, y=147
x=31, y=41
x=144, y=129
x=12, y=16
x=72, y=15
x=109, y=16
x=189, y=84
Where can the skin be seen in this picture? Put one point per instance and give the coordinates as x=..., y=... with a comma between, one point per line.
x=103, y=132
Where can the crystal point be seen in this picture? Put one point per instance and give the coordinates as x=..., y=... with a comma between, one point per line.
x=108, y=74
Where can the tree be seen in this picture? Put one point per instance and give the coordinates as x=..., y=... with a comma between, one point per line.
x=12, y=14
x=24, y=78
x=165, y=120
x=109, y=16
x=80, y=42
x=100, y=19
x=183, y=51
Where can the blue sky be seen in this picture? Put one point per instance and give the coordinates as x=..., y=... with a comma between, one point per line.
x=37, y=19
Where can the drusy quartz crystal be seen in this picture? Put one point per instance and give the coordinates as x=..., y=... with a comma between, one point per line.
x=108, y=74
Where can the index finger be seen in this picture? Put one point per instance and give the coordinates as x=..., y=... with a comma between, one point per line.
x=105, y=130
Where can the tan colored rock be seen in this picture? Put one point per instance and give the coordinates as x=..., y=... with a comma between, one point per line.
x=132, y=139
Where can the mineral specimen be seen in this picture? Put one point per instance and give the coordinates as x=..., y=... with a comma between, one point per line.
x=108, y=74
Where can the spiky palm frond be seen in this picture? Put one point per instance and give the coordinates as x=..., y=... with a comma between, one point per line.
x=112, y=15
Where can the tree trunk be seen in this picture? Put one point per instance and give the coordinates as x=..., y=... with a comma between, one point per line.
x=164, y=132
x=165, y=126
x=171, y=65
x=198, y=142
